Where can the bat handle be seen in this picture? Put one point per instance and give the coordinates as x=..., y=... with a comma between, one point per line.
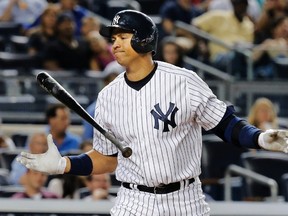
x=126, y=151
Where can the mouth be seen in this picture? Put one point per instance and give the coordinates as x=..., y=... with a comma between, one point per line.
x=117, y=52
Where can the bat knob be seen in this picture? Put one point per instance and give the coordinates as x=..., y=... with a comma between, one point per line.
x=127, y=152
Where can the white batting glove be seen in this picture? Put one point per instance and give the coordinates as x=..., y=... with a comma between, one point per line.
x=50, y=162
x=274, y=140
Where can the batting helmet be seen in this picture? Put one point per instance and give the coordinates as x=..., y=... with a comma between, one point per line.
x=145, y=33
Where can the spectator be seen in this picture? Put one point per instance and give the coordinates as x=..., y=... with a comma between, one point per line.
x=272, y=9
x=76, y=11
x=234, y=28
x=253, y=11
x=170, y=51
x=37, y=143
x=89, y=23
x=34, y=187
x=41, y=35
x=23, y=12
x=263, y=114
x=98, y=186
x=273, y=48
x=6, y=142
x=179, y=10
x=111, y=71
x=66, y=52
x=66, y=186
x=101, y=51
x=58, y=119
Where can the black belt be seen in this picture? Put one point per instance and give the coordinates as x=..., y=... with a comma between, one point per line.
x=160, y=189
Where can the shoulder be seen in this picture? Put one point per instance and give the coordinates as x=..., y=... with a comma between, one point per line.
x=164, y=67
x=182, y=74
x=114, y=84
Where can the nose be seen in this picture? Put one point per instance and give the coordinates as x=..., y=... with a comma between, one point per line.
x=115, y=44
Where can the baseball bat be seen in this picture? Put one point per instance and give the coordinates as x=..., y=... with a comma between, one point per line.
x=54, y=88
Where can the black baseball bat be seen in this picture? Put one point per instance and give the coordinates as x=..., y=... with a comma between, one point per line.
x=54, y=88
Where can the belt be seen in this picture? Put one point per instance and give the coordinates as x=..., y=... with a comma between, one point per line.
x=160, y=189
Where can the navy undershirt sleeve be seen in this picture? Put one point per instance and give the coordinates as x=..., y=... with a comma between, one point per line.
x=233, y=129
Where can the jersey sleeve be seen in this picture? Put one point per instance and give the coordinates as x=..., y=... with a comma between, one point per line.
x=208, y=109
x=100, y=143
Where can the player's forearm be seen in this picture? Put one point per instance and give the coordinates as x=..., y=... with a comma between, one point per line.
x=102, y=163
x=237, y=131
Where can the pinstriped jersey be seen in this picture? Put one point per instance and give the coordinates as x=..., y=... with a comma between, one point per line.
x=161, y=122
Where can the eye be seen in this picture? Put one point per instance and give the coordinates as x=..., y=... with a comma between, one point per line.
x=112, y=40
x=124, y=36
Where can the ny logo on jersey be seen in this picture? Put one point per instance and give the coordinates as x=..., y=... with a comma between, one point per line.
x=159, y=115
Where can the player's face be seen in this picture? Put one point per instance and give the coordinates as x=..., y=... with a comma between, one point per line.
x=121, y=48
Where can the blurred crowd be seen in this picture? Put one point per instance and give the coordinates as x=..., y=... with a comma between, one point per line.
x=63, y=35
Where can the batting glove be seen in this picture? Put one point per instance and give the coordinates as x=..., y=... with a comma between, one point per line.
x=50, y=162
x=274, y=140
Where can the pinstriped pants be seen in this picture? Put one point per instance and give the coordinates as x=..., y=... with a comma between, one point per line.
x=188, y=201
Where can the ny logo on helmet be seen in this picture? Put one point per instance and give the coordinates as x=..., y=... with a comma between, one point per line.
x=115, y=20
x=159, y=115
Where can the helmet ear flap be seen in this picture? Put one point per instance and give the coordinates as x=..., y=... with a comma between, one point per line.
x=145, y=45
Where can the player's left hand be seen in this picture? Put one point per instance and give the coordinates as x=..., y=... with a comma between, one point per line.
x=274, y=140
x=50, y=162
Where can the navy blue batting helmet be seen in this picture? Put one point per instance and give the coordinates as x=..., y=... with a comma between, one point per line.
x=145, y=33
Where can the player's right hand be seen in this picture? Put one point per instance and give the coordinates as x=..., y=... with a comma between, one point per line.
x=274, y=140
x=50, y=162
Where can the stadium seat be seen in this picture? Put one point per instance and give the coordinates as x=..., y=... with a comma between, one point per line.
x=21, y=61
x=10, y=28
x=19, y=44
x=284, y=186
x=2, y=87
x=271, y=164
x=281, y=66
x=4, y=175
x=7, y=156
x=83, y=192
x=19, y=139
x=216, y=157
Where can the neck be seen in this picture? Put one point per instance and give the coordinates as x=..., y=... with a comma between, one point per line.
x=140, y=69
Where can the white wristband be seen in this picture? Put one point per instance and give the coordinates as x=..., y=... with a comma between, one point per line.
x=61, y=165
x=261, y=141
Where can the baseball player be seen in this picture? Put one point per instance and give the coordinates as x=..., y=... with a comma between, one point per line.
x=158, y=110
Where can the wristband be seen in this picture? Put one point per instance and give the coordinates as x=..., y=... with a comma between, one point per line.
x=61, y=165
x=80, y=165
